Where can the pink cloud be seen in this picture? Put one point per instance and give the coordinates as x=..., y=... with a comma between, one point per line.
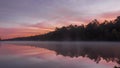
x=65, y=16
x=20, y=32
x=110, y=15
x=41, y=25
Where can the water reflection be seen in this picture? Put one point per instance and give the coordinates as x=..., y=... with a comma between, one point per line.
x=97, y=52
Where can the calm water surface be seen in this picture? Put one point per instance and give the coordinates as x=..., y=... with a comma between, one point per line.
x=59, y=54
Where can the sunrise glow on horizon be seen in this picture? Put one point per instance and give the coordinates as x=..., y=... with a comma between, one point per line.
x=21, y=18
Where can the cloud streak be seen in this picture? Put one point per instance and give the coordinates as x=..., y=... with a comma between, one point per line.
x=20, y=32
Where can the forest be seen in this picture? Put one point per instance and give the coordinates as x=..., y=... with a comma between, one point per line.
x=93, y=31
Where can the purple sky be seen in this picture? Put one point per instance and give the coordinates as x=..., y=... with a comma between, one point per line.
x=45, y=15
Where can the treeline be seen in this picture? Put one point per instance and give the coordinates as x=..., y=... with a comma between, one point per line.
x=0, y=39
x=94, y=31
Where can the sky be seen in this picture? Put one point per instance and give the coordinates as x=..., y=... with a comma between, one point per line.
x=19, y=18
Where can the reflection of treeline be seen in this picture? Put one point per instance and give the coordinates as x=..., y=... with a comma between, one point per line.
x=96, y=51
x=108, y=52
x=93, y=53
x=106, y=31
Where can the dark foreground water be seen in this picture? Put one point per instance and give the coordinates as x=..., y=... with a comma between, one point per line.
x=59, y=54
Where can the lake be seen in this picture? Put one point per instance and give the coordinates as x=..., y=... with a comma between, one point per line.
x=31, y=54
